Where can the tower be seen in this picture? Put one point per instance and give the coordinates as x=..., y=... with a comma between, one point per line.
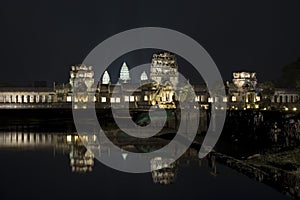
x=82, y=78
x=164, y=69
x=124, y=74
x=144, y=76
x=106, y=78
x=245, y=80
x=243, y=92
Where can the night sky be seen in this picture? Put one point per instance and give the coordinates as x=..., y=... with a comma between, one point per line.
x=40, y=40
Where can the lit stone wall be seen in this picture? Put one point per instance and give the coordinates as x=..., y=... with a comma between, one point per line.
x=27, y=97
x=164, y=69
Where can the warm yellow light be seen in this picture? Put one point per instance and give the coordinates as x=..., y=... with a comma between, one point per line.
x=69, y=98
x=286, y=109
x=233, y=98
x=256, y=106
x=153, y=103
x=145, y=98
x=294, y=109
x=84, y=138
x=103, y=99
x=69, y=138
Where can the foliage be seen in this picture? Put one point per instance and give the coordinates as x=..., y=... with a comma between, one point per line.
x=291, y=75
x=186, y=93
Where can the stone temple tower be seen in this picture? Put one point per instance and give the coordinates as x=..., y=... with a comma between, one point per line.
x=124, y=74
x=164, y=69
x=106, y=78
x=82, y=77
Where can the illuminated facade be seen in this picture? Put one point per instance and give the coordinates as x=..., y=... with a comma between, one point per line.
x=124, y=74
x=82, y=78
x=164, y=69
x=159, y=89
x=28, y=95
x=242, y=92
x=144, y=76
x=106, y=78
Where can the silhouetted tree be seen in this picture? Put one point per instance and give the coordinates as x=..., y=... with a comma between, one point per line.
x=291, y=75
x=267, y=92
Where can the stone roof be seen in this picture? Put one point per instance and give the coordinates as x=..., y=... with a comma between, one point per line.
x=26, y=89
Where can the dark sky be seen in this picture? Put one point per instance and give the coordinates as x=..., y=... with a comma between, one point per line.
x=41, y=39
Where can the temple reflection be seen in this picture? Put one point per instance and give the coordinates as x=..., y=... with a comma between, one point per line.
x=162, y=171
x=81, y=159
x=81, y=151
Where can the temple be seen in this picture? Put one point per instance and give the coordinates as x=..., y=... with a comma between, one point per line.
x=160, y=88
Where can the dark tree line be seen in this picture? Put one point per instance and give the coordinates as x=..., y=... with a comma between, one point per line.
x=290, y=77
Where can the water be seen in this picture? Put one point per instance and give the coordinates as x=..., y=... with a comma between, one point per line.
x=37, y=165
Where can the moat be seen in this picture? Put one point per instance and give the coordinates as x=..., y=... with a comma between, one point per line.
x=259, y=156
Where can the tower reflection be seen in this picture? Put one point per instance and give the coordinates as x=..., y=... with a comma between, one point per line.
x=81, y=152
x=81, y=159
x=163, y=172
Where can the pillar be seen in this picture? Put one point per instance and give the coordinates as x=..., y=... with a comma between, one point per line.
x=31, y=98
x=25, y=138
x=19, y=138
x=14, y=138
x=31, y=138
x=43, y=98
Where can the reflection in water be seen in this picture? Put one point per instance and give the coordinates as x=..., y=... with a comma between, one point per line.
x=82, y=158
x=162, y=171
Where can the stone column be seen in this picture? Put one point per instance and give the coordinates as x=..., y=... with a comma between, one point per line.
x=49, y=99
x=32, y=99
x=43, y=98
x=8, y=98
x=25, y=138
x=31, y=138
x=18, y=98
